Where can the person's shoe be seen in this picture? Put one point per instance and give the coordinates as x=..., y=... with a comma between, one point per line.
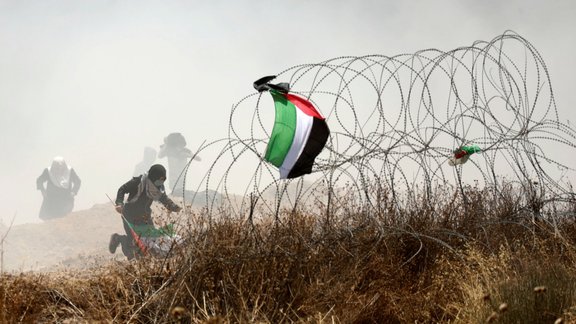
x=114, y=242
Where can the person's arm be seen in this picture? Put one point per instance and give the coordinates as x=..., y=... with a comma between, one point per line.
x=169, y=204
x=40, y=181
x=75, y=182
x=186, y=152
x=127, y=188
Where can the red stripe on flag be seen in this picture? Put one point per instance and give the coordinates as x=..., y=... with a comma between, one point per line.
x=304, y=105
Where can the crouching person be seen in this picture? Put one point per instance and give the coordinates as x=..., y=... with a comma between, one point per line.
x=141, y=235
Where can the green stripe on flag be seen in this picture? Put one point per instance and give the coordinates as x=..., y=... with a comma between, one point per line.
x=283, y=131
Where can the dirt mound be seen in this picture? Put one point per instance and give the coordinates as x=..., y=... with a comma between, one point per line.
x=77, y=240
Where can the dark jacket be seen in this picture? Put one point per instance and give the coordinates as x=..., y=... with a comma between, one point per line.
x=139, y=212
x=51, y=189
x=57, y=201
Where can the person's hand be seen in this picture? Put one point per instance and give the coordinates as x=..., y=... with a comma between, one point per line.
x=119, y=208
x=176, y=209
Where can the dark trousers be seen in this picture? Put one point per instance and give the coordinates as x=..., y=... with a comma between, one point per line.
x=128, y=244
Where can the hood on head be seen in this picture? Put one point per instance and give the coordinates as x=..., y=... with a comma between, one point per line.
x=156, y=172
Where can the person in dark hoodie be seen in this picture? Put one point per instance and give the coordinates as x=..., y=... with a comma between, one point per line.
x=136, y=211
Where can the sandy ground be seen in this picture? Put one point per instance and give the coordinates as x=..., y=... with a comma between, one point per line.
x=78, y=240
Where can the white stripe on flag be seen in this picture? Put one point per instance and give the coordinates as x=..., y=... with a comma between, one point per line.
x=303, y=128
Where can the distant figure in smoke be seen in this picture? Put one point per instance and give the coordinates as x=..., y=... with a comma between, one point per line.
x=62, y=184
x=148, y=159
x=174, y=148
x=136, y=212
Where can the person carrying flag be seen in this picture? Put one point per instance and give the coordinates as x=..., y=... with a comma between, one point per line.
x=136, y=212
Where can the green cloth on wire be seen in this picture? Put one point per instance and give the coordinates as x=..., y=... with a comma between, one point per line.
x=471, y=149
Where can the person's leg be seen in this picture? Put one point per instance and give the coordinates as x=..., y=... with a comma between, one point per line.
x=127, y=242
x=68, y=205
x=50, y=207
x=128, y=247
x=44, y=212
x=114, y=242
x=62, y=204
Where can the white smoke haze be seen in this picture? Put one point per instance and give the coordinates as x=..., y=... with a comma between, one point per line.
x=97, y=81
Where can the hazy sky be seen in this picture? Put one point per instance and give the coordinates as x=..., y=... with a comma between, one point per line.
x=97, y=81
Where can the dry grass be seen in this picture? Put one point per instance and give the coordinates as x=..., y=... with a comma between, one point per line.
x=502, y=258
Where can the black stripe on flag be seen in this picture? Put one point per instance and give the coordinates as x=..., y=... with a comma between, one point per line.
x=316, y=141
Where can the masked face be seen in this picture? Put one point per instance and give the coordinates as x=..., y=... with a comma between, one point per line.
x=158, y=183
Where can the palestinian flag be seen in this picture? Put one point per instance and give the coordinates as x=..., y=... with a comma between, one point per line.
x=299, y=135
x=462, y=154
x=145, y=230
x=157, y=241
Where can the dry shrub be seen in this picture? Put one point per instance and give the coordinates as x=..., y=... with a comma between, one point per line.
x=530, y=284
x=430, y=259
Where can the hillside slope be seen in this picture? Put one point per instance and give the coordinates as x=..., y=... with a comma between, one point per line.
x=77, y=240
